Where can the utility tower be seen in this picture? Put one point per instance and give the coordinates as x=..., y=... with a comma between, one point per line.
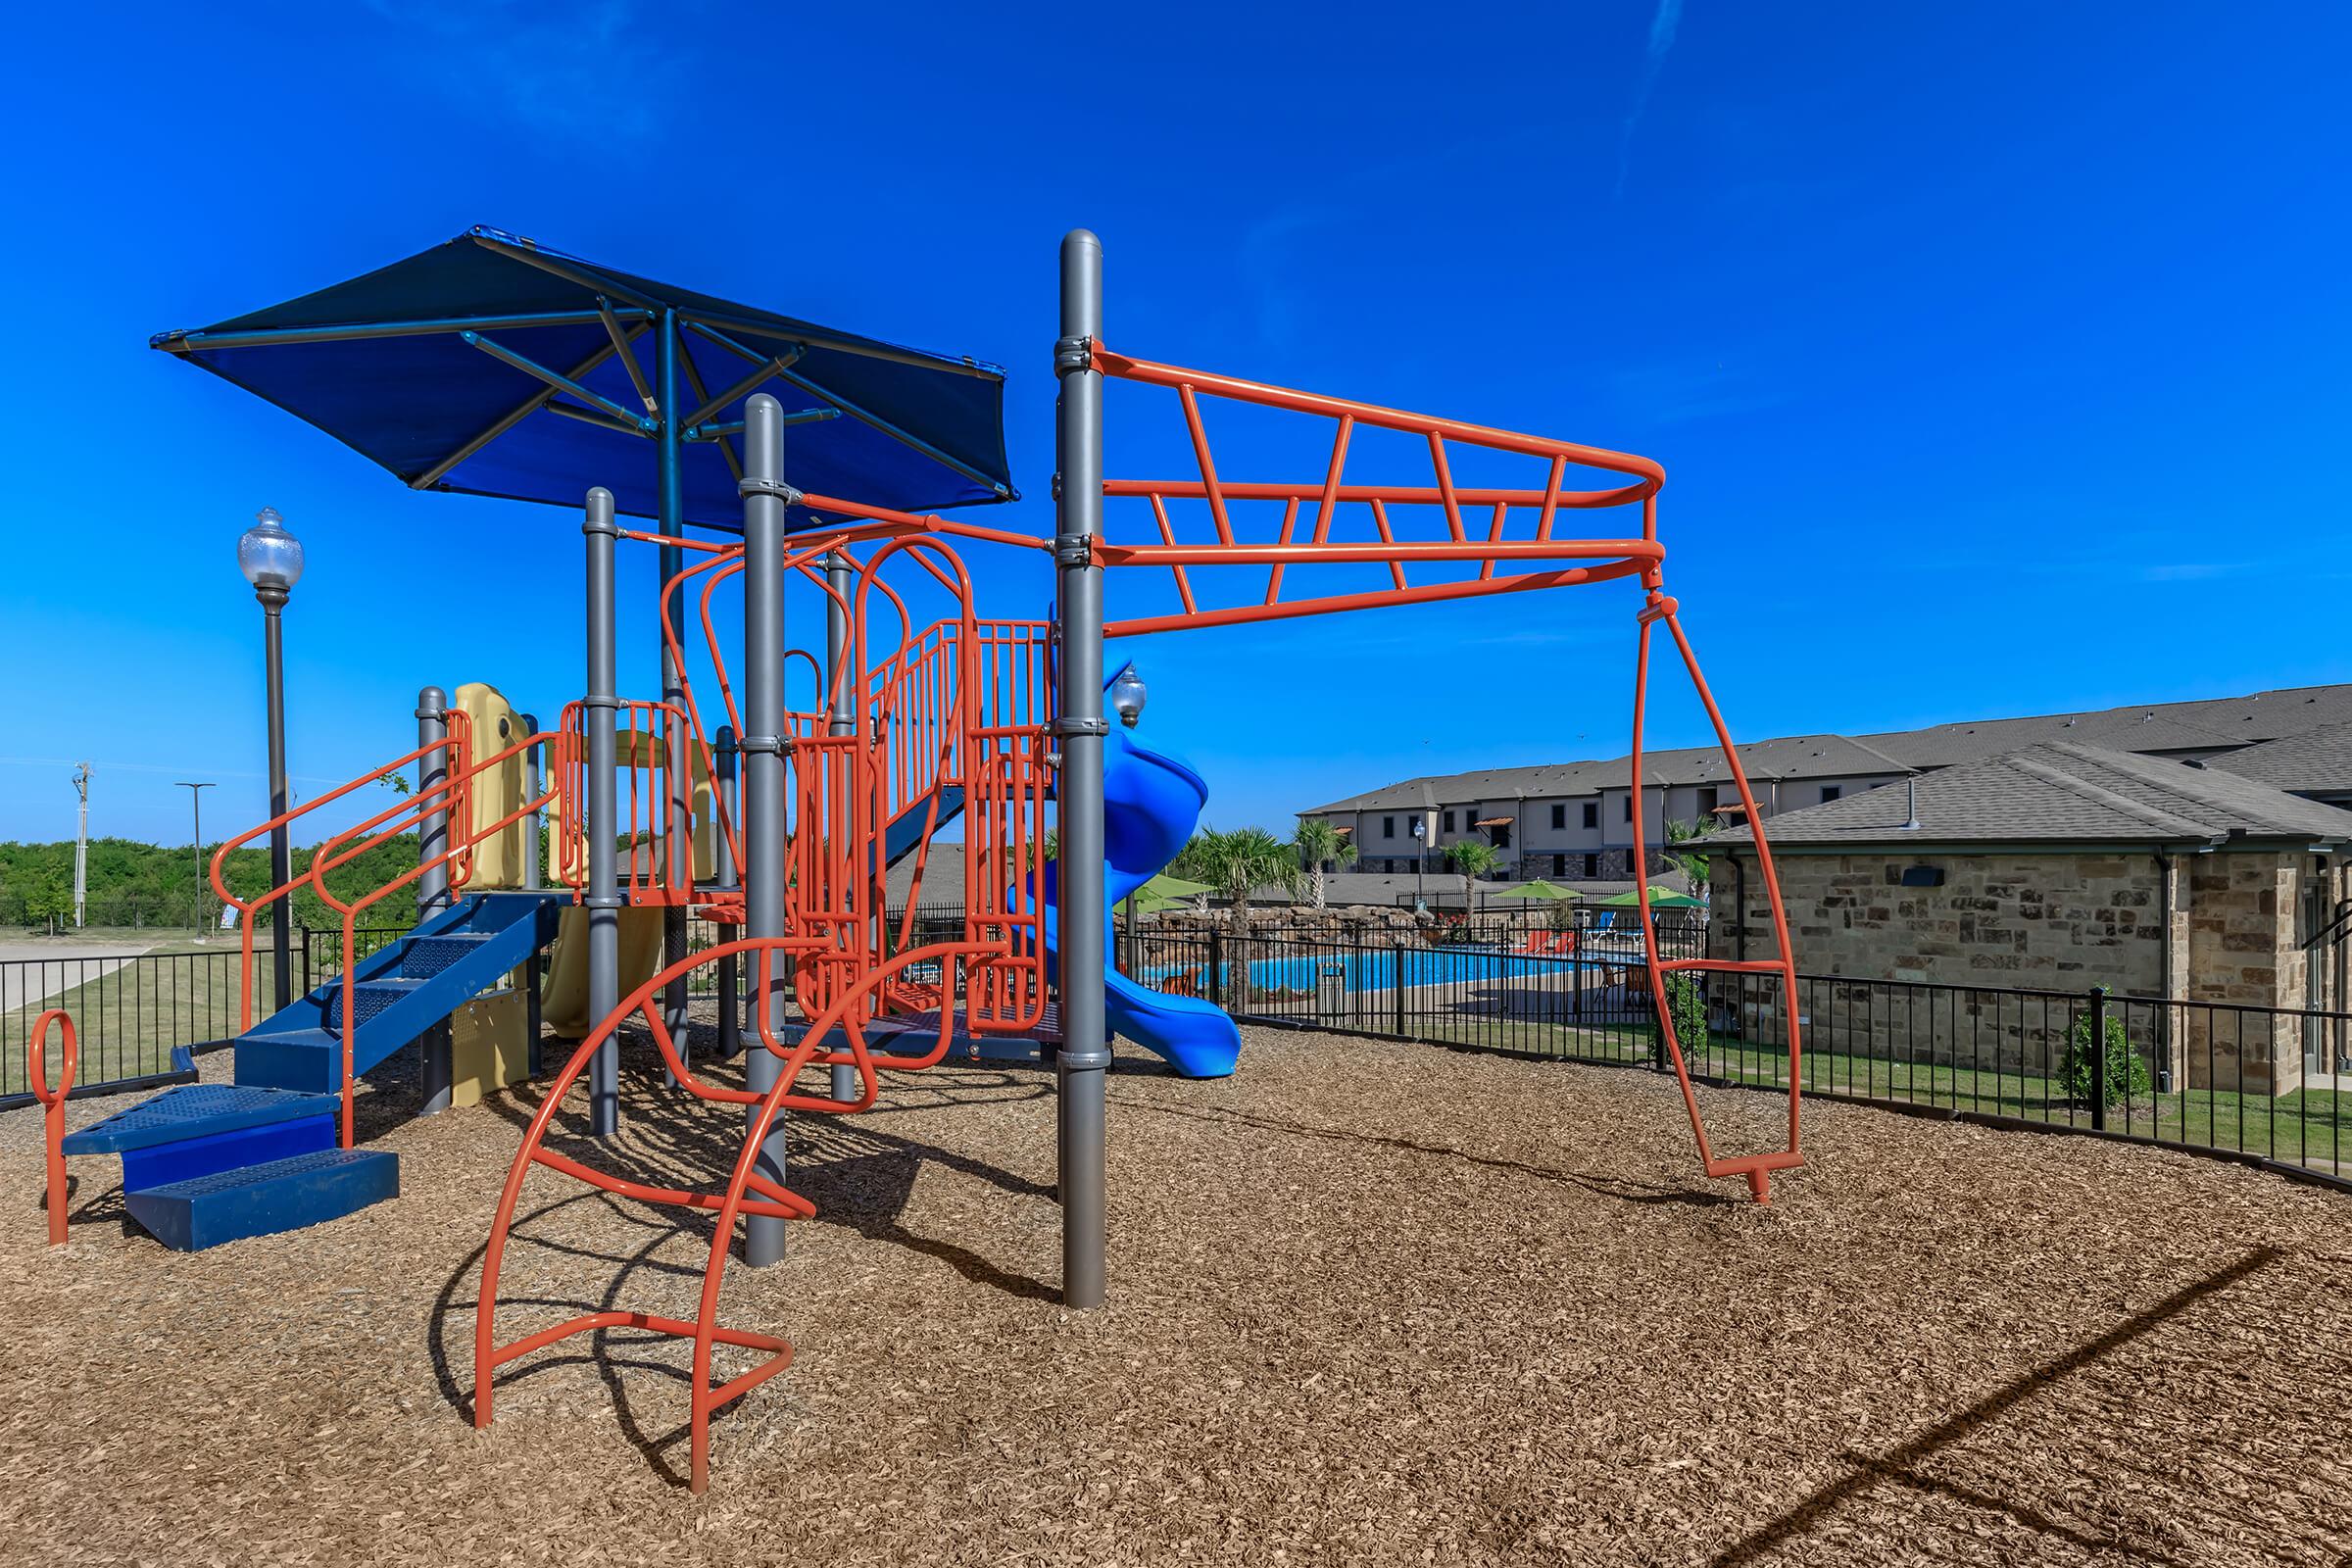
x=81, y=841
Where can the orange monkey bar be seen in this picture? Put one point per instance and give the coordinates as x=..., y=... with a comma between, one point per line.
x=1571, y=559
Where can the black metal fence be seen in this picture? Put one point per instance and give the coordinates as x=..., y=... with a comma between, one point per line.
x=130, y=1011
x=2253, y=1082
x=2261, y=1083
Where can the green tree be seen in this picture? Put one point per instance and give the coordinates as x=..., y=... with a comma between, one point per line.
x=1234, y=864
x=1471, y=858
x=1317, y=842
x=1693, y=863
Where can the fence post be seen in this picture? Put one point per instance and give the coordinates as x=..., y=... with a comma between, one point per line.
x=2098, y=1059
x=1222, y=993
x=1396, y=961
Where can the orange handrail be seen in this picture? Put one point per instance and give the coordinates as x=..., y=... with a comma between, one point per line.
x=465, y=836
x=455, y=742
x=53, y=1108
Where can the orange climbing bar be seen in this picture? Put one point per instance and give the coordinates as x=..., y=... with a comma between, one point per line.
x=53, y=1106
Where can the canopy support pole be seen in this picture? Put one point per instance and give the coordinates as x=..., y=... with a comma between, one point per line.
x=670, y=609
x=1084, y=1062
x=762, y=749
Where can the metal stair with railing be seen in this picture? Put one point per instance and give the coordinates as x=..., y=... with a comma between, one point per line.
x=206, y=1163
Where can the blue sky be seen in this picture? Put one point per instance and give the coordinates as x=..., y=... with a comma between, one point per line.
x=1994, y=353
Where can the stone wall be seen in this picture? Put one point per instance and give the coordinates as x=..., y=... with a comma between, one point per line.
x=2061, y=922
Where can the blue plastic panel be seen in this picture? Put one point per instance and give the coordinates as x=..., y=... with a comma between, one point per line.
x=262, y=1199
x=193, y=1111
x=162, y=1164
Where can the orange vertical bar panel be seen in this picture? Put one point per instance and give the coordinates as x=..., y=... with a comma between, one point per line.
x=1208, y=468
x=1502, y=512
x=1167, y=534
x=1290, y=520
x=1380, y=520
x=1445, y=495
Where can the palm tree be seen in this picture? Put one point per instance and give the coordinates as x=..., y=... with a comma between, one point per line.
x=1693, y=863
x=1316, y=841
x=1471, y=858
x=1233, y=863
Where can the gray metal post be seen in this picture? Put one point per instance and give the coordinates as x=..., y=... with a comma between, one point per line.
x=281, y=855
x=1085, y=1056
x=841, y=717
x=764, y=498
x=432, y=886
x=678, y=832
x=730, y=991
x=534, y=781
x=602, y=900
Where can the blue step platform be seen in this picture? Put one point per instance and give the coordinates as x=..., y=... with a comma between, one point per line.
x=206, y=1163
x=282, y=1195
x=198, y=1129
x=398, y=992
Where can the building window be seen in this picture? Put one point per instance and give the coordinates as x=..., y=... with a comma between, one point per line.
x=1707, y=799
x=1830, y=791
x=1446, y=824
x=1559, y=818
x=1591, y=814
x=1388, y=827
x=1629, y=807
x=1592, y=865
x=1559, y=866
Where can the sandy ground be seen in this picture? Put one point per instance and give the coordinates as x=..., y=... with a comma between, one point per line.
x=1373, y=1303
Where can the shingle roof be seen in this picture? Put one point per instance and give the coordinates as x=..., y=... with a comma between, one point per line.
x=2316, y=762
x=1786, y=756
x=2061, y=792
x=2210, y=724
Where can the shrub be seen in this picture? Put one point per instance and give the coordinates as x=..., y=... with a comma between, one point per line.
x=1686, y=1004
x=2128, y=1072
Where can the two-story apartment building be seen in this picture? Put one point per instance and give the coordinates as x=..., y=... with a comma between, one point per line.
x=1574, y=820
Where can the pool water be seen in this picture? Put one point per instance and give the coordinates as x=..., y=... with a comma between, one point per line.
x=1375, y=970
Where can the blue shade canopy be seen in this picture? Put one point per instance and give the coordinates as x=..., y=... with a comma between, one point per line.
x=493, y=366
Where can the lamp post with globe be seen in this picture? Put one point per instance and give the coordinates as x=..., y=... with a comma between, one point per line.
x=271, y=560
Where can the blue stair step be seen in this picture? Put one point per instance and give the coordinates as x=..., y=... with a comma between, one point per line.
x=306, y=1060
x=283, y=1194
x=196, y=1110
x=367, y=999
x=427, y=956
x=162, y=1164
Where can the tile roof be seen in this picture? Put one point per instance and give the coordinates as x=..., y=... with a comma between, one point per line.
x=2058, y=792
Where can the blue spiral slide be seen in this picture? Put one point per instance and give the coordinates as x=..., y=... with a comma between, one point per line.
x=1150, y=804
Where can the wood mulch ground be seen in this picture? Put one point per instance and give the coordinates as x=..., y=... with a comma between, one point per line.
x=1373, y=1303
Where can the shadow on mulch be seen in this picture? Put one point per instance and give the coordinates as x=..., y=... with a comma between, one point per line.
x=1603, y=1186
x=858, y=1176
x=1900, y=1464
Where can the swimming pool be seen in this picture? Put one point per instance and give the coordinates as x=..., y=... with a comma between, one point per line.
x=1367, y=969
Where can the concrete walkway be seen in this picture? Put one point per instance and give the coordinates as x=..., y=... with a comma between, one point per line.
x=54, y=969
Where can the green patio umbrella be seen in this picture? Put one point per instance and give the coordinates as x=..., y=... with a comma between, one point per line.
x=1540, y=889
x=1162, y=892
x=1659, y=899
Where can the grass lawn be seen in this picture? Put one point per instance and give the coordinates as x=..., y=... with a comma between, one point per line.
x=2310, y=1127
x=127, y=1019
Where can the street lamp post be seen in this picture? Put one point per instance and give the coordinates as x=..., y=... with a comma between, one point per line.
x=1420, y=859
x=271, y=560
x=196, y=806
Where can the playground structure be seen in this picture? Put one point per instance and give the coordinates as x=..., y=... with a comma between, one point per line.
x=909, y=723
